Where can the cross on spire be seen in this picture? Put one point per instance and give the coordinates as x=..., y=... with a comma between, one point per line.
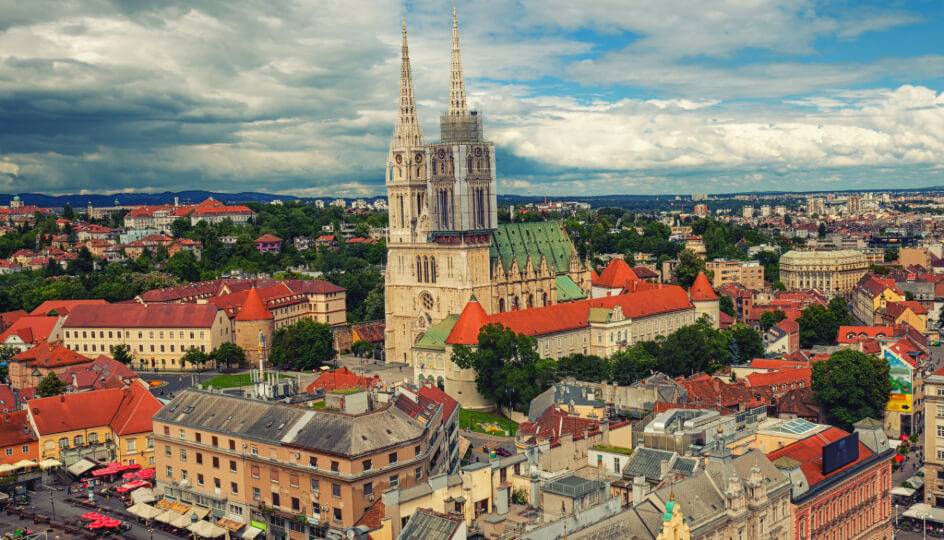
x=407, y=131
x=457, y=102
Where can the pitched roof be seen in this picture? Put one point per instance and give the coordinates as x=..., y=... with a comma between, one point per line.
x=788, y=326
x=435, y=336
x=875, y=285
x=645, y=272
x=852, y=334
x=15, y=429
x=435, y=394
x=520, y=241
x=125, y=410
x=102, y=372
x=134, y=315
x=896, y=309
x=343, y=378
x=799, y=402
x=31, y=329
x=555, y=318
x=7, y=318
x=616, y=275
x=253, y=309
x=791, y=377
x=555, y=423
x=50, y=355
x=63, y=307
x=426, y=524
x=371, y=331
x=809, y=453
x=268, y=238
x=701, y=290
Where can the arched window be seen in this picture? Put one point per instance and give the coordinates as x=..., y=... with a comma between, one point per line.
x=544, y=299
x=426, y=270
x=501, y=305
x=432, y=268
x=468, y=163
x=419, y=269
x=514, y=303
x=530, y=300
x=440, y=383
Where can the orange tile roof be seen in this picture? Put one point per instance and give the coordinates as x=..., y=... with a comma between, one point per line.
x=343, y=378
x=567, y=316
x=253, y=309
x=31, y=329
x=63, y=307
x=134, y=315
x=809, y=452
x=268, y=238
x=701, y=290
x=50, y=355
x=15, y=429
x=433, y=393
x=125, y=410
x=616, y=275
x=800, y=377
x=852, y=334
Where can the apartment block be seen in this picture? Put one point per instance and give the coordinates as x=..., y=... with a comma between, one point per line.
x=726, y=271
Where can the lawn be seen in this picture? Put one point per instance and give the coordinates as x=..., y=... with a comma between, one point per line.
x=488, y=423
x=232, y=380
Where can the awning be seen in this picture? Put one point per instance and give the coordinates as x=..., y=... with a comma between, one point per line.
x=199, y=511
x=250, y=532
x=81, y=467
x=925, y=511
x=180, y=521
x=903, y=491
x=144, y=511
x=5, y=469
x=49, y=463
x=230, y=524
x=205, y=529
x=143, y=495
x=24, y=464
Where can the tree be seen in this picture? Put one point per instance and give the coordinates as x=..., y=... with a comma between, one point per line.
x=68, y=212
x=745, y=343
x=821, y=230
x=6, y=353
x=583, y=367
x=819, y=325
x=228, y=354
x=183, y=265
x=691, y=349
x=51, y=385
x=508, y=369
x=303, y=346
x=194, y=357
x=769, y=318
x=726, y=305
x=122, y=353
x=688, y=267
x=179, y=227
x=850, y=386
x=362, y=349
x=632, y=364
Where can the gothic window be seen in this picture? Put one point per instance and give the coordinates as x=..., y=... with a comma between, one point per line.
x=514, y=303
x=427, y=300
x=425, y=270
x=530, y=300
x=400, y=216
x=419, y=269
x=501, y=305
x=442, y=168
x=543, y=298
x=468, y=164
x=432, y=268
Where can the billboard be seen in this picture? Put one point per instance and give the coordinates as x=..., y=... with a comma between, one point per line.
x=901, y=374
x=840, y=452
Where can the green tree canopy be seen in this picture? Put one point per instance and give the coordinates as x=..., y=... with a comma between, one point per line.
x=850, y=386
x=688, y=267
x=303, y=346
x=746, y=344
x=184, y=266
x=508, y=369
x=769, y=318
x=51, y=385
x=819, y=325
x=726, y=305
x=583, y=367
x=228, y=355
x=194, y=357
x=632, y=364
x=122, y=353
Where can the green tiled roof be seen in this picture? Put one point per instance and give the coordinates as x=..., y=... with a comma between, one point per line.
x=518, y=241
x=567, y=290
x=435, y=336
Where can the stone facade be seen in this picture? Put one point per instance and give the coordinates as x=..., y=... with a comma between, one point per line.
x=444, y=243
x=830, y=272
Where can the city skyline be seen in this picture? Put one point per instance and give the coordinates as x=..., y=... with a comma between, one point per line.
x=593, y=100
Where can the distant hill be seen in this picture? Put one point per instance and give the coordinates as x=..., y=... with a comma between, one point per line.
x=167, y=197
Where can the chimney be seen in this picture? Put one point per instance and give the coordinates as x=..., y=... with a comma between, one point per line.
x=639, y=489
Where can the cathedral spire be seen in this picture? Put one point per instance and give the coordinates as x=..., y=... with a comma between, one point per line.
x=407, y=132
x=457, y=103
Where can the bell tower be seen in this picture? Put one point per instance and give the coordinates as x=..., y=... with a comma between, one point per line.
x=406, y=162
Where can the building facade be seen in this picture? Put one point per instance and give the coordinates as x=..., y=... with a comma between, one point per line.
x=830, y=272
x=444, y=244
x=725, y=271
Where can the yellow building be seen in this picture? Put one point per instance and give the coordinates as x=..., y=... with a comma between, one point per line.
x=109, y=425
x=908, y=312
x=830, y=272
x=870, y=297
x=727, y=271
x=158, y=334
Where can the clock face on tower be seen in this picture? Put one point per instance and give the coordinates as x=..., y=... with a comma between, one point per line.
x=478, y=152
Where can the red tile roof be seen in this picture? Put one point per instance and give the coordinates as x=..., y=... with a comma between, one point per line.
x=800, y=402
x=616, y=275
x=102, y=372
x=555, y=423
x=852, y=334
x=778, y=363
x=343, y=378
x=15, y=429
x=567, y=316
x=809, y=452
x=875, y=285
x=142, y=316
x=253, y=309
x=63, y=307
x=50, y=355
x=433, y=393
x=31, y=329
x=371, y=332
x=645, y=273
x=268, y=239
x=782, y=380
x=708, y=390
x=9, y=317
x=788, y=326
x=125, y=410
x=701, y=290
x=896, y=309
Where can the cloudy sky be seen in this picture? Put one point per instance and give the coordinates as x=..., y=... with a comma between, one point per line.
x=588, y=97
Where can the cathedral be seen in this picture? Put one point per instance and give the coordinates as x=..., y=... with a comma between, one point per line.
x=445, y=246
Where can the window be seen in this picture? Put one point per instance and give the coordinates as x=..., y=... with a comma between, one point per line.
x=199, y=458
x=416, y=450
x=169, y=472
x=214, y=441
x=93, y=438
x=335, y=490
x=315, y=485
x=254, y=471
x=254, y=451
x=78, y=440
x=337, y=514
x=200, y=479
x=9, y=451
x=293, y=480
x=216, y=483
x=276, y=501
x=198, y=437
x=216, y=462
x=274, y=476
x=296, y=504
x=367, y=464
x=256, y=494
x=64, y=442
x=368, y=488
x=392, y=457
x=182, y=434
x=232, y=444
x=940, y=430
x=232, y=465
x=233, y=487
x=167, y=451
x=183, y=454
x=334, y=466
x=132, y=444
x=418, y=473
x=394, y=480
x=25, y=449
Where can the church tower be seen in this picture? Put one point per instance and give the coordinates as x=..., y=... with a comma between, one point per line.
x=442, y=211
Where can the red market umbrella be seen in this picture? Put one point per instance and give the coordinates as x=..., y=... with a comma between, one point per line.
x=92, y=516
x=104, y=472
x=145, y=474
x=128, y=476
x=899, y=458
x=95, y=525
x=132, y=467
x=111, y=523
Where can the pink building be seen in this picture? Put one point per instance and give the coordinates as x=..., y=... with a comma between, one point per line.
x=269, y=243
